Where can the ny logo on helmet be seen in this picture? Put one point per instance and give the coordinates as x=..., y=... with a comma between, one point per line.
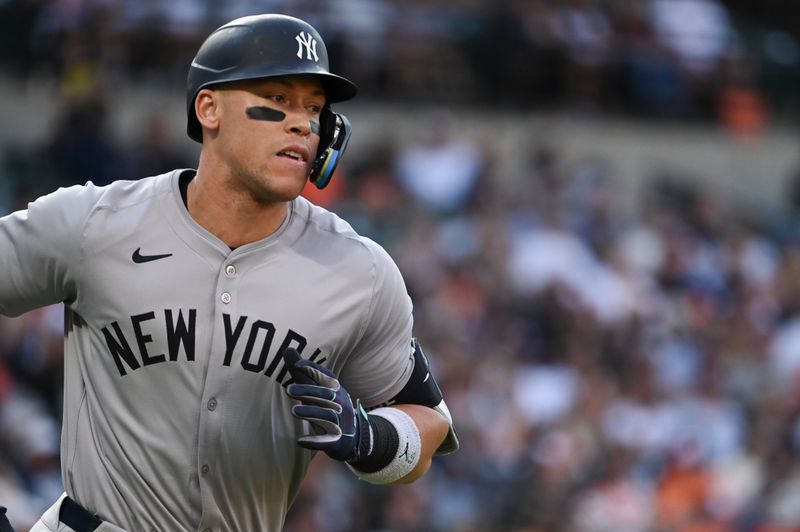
x=310, y=44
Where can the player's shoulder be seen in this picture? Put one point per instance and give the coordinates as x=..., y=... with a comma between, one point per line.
x=321, y=219
x=121, y=194
x=88, y=196
x=328, y=230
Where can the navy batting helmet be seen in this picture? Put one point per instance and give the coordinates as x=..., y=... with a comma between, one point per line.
x=261, y=46
x=264, y=46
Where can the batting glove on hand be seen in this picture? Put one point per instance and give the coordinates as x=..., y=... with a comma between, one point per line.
x=342, y=429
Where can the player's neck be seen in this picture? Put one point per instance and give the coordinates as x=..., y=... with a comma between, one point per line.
x=231, y=215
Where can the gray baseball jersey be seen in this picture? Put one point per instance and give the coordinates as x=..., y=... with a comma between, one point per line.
x=175, y=416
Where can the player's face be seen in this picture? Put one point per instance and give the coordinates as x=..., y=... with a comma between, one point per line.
x=268, y=134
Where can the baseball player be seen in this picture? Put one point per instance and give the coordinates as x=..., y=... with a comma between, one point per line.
x=220, y=329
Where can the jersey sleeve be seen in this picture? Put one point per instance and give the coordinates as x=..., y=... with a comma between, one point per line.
x=40, y=250
x=382, y=361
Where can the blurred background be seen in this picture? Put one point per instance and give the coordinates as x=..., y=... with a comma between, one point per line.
x=595, y=204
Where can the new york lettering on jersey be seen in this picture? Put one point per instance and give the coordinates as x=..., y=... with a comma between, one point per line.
x=251, y=342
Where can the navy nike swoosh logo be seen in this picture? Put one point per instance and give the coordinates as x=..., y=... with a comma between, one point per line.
x=138, y=258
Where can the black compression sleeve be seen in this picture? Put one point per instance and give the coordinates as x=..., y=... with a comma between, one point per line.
x=384, y=446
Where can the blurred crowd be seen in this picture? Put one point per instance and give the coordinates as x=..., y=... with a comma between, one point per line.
x=688, y=59
x=609, y=368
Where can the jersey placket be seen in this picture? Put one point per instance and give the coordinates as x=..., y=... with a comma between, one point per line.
x=213, y=401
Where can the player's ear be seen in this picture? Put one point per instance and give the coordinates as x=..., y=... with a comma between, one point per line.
x=207, y=109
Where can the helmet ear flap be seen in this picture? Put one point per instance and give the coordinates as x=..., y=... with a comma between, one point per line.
x=334, y=133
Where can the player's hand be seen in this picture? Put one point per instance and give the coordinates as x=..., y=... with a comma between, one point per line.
x=341, y=428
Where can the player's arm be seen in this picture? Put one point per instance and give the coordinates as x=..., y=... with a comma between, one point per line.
x=422, y=400
x=38, y=248
x=395, y=441
x=432, y=428
x=387, y=445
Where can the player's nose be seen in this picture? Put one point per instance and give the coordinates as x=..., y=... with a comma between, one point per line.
x=299, y=123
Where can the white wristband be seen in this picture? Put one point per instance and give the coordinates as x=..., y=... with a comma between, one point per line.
x=408, y=450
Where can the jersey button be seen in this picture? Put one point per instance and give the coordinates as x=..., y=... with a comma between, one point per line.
x=204, y=470
x=212, y=404
x=230, y=270
x=226, y=297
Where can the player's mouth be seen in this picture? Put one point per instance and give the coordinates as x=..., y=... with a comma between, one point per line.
x=294, y=153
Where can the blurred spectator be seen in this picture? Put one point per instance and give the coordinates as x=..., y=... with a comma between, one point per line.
x=699, y=34
x=617, y=501
x=583, y=29
x=81, y=147
x=697, y=31
x=152, y=153
x=30, y=473
x=743, y=107
x=18, y=46
x=441, y=171
x=655, y=57
x=650, y=75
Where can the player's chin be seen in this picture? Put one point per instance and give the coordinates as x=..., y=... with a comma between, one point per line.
x=286, y=186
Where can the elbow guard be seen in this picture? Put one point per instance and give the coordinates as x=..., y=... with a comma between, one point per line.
x=422, y=389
